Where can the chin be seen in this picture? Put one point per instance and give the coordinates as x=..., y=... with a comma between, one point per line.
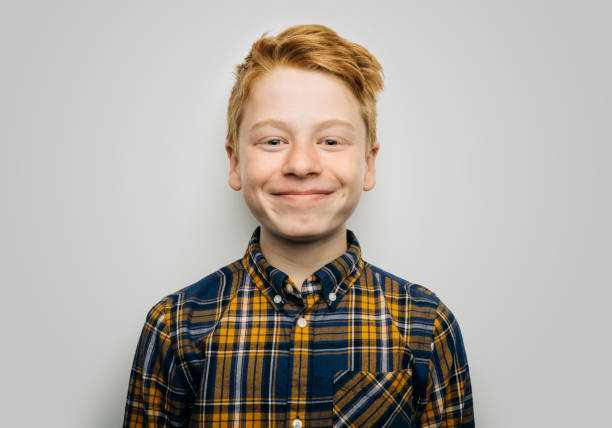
x=303, y=232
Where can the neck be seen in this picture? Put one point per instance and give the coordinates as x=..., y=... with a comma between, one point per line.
x=298, y=259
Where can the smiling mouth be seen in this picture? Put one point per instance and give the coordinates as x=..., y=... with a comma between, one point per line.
x=303, y=197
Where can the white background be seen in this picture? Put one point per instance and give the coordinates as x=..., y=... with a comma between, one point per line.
x=493, y=187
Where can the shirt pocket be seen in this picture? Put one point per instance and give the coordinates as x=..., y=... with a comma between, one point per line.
x=373, y=399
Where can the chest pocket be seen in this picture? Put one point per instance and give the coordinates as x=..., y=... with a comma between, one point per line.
x=373, y=399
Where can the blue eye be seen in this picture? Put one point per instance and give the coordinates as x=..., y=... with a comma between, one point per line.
x=276, y=140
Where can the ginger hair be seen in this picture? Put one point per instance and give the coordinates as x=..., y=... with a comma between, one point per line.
x=315, y=48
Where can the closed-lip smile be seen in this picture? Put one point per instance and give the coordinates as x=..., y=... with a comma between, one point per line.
x=304, y=192
x=303, y=195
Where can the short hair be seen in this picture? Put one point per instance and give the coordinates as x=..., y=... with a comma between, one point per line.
x=315, y=48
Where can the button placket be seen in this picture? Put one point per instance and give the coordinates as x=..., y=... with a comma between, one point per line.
x=300, y=365
x=302, y=353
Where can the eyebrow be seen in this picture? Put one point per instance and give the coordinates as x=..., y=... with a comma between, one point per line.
x=284, y=125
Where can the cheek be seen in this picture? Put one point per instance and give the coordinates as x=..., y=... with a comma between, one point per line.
x=258, y=177
x=351, y=172
x=255, y=171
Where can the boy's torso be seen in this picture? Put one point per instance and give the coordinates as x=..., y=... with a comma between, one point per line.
x=358, y=357
x=358, y=347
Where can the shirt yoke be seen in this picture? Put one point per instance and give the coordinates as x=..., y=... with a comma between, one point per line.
x=194, y=310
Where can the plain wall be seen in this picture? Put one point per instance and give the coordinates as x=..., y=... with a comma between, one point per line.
x=493, y=187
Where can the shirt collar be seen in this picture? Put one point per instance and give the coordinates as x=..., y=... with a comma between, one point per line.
x=336, y=276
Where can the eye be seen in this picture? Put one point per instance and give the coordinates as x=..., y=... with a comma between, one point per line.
x=273, y=142
x=331, y=142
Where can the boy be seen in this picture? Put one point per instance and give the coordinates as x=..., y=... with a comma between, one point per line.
x=301, y=331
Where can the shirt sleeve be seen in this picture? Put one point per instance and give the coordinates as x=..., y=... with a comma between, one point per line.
x=449, y=392
x=159, y=394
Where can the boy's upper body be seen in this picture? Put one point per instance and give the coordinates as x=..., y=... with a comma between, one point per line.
x=301, y=331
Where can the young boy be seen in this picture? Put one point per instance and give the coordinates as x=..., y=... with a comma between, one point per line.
x=301, y=331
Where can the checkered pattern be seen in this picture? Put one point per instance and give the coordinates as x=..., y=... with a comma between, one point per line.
x=358, y=347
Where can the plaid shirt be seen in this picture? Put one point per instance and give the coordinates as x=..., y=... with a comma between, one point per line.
x=358, y=347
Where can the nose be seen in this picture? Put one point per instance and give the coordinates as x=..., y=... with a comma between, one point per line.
x=302, y=159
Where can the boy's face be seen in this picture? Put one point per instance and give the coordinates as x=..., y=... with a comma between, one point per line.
x=301, y=163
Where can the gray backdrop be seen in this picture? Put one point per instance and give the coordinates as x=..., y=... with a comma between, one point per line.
x=493, y=187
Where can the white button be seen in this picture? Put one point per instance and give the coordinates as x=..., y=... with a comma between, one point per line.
x=278, y=298
x=302, y=322
x=332, y=297
x=297, y=423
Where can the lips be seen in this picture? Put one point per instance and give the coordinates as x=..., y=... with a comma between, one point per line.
x=304, y=192
x=303, y=196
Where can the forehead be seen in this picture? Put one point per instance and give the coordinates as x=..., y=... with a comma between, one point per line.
x=302, y=98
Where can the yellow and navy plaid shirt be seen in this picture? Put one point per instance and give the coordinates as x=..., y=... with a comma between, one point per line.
x=358, y=347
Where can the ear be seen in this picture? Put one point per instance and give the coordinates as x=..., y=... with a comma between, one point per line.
x=234, y=171
x=369, y=181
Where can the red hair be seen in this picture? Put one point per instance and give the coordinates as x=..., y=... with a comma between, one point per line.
x=309, y=47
